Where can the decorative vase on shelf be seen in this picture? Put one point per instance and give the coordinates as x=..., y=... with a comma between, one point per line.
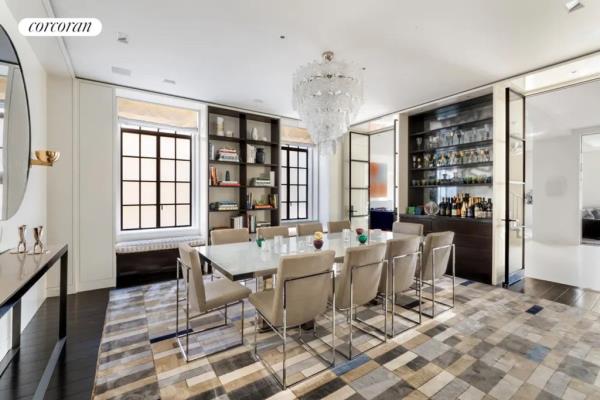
x=254, y=133
x=220, y=126
x=251, y=154
x=260, y=155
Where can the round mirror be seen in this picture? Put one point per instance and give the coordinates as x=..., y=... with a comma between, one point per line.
x=15, y=136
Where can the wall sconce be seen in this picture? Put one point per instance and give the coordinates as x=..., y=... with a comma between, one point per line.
x=45, y=158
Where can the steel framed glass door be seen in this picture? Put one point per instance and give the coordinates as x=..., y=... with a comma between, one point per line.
x=514, y=251
x=358, y=188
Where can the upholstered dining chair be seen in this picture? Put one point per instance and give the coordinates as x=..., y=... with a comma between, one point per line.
x=358, y=284
x=305, y=281
x=408, y=228
x=337, y=226
x=202, y=298
x=437, y=249
x=402, y=258
x=269, y=232
x=309, y=229
x=227, y=236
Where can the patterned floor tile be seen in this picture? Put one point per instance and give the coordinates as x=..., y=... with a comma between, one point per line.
x=495, y=344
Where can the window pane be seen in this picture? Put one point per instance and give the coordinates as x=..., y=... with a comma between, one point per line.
x=283, y=157
x=293, y=193
x=283, y=192
x=293, y=210
x=167, y=193
x=183, y=149
x=302, y=210
x=293, y=175
x=167, y=216
x=302, y=193
x=302, y=159
x=131, y=217
x=183, y=193
x=167, y=147
x=183, y=171
x=148, y=169
x=148, y=193
x=293, y=158
x=131, y=169
x=283, y=210
x=167, y=170
x=148, y=146
x=283, y=175
x=302, y=177
x=183, y=215
x=131, y=144
x=131, y=193
x=148, y=217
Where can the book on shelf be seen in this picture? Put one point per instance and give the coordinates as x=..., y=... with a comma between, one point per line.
x=214, y=180
x=263, y=206
x=227, y=154
x=229, y=183
x=224, y=205
x=237, y=222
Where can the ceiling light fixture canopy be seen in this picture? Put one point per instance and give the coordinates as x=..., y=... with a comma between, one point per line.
x=327, y=95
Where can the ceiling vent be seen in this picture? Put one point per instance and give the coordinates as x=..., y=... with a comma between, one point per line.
x=122, y=38
x=121, y=71
x=573, y=5
x=169, y=81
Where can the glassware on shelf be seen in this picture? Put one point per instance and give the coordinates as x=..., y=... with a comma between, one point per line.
x=419, y=141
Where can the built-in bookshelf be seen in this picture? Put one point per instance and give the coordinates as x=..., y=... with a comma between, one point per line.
x=243, y=168
x=451, y=151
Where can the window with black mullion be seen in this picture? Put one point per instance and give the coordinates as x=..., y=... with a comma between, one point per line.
x=295, y=194
x=155, y=180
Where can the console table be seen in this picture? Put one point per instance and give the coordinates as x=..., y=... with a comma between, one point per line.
x=18, y=274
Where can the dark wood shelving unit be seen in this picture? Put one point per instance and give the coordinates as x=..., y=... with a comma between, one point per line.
x=241, y=124
x=473, y=237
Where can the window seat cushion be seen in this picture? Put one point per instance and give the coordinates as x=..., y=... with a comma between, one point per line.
x=139, y=246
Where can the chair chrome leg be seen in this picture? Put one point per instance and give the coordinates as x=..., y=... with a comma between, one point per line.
x=242, y=318
x=284, y=348
x=255, y=332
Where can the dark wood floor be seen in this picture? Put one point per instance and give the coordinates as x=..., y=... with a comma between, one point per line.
x=569, y=295
x=74, y=375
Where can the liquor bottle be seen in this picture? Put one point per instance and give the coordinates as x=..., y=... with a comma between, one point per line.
x=463, y=209
x=477, y=210
x=448, y=207
x=471, y=208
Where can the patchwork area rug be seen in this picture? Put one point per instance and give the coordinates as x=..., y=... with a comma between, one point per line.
x=495, y=344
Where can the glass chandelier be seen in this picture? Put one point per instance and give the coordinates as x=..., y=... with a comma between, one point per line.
x=327, y=95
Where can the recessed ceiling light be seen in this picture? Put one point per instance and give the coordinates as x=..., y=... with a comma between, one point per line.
x=169, y=81
x=121, y=71
x=574, y=72
x=573, y=5
x=122, y=38
x=282, y=37
x=258, y=101
x=364, y=68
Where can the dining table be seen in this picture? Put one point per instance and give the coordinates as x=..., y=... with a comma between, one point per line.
x=248, y=260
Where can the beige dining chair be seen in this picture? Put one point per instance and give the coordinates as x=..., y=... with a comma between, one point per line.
x=269, y=232
x=402, y=258
x=301, y=294
x=202, y=298
x=309, y=229
x=227, y=236
x=358, y=284
x=437, y=249
x=337, y=226
x=408, y=228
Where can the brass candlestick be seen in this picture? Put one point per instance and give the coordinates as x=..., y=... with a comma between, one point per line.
x=22, y=246
x=38, y=246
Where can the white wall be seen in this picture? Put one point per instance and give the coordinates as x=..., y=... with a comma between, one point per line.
x=590, y=187
x=33, y=209
x=382, y=151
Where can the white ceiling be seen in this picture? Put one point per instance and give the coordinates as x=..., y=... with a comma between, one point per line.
x=561, y=111
x=229, y=52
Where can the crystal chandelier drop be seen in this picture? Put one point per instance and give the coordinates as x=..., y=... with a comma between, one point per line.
x=327, y=95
